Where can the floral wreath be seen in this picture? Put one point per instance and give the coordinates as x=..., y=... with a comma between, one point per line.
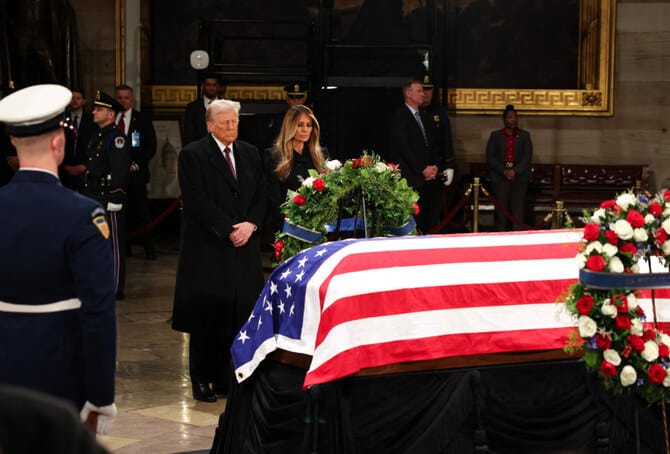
x=629, y=352
x=328, y=201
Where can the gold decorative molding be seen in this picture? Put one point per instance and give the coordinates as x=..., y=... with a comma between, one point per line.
x=174, y=97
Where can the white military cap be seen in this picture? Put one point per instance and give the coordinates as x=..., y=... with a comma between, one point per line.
x=35, y=110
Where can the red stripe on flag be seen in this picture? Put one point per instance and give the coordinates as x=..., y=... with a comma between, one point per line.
x=365, y=356
x=405, y=301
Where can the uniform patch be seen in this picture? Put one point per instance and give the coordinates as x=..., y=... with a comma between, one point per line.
x=120, y=142
x=101, y=223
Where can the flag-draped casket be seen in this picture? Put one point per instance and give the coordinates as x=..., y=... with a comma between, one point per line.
x=358, y=304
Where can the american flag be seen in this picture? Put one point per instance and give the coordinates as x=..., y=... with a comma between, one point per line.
x=356, y=304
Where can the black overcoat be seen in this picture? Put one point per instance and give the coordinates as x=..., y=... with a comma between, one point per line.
x=217, y=284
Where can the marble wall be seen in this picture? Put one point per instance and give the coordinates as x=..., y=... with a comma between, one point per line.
x=636, y=134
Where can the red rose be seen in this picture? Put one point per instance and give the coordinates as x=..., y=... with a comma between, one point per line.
x=299, y=199
x=591, y=232
x=417, y=210
x=635, y=219
x=319, y=184
x=279, y=245
x=603, y=341
x=655, y=209
x=584, y=304
x=595, y=263
x=661, y=236
x=612, y=237
x=636, y=342
x=626, y=351
x=639, y=311
x=648, y=334
x=656, y=373
x=393, y=166
x=628, y=248
x=608, y=204
x=608, y=369
x=622, y=322
x=621, y=303
x=666, y=195
x=663, y=351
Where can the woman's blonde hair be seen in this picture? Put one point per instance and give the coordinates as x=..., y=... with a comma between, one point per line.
x=283, y=147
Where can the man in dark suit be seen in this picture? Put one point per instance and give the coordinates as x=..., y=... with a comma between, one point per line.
x=141, y=135
x=195, y=124
x=219, y=275
x=57, y=310
x=412, y=147
x=509, y=152
x=73, y=167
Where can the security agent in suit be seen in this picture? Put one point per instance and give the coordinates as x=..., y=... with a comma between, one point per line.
x=141, y=135
x=412, y=146
x=57, y=309
x=195, y=124
x=509, y=152
x=106, y=178
x=71, y=171
x=219, y=274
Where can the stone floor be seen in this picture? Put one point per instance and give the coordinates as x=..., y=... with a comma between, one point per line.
x=157, y=413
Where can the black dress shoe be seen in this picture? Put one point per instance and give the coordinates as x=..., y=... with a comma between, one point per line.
x=202, y=392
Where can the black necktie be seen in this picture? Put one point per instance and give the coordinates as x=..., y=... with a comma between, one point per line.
x=226, y=152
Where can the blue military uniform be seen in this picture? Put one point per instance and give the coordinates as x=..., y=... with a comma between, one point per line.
x=106, y=180
x=57, y=309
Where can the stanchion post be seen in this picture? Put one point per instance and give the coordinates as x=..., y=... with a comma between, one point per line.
x=557, y=215
x=475, y=203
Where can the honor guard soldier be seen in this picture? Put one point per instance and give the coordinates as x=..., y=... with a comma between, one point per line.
x=57, y=309
x=106, y=177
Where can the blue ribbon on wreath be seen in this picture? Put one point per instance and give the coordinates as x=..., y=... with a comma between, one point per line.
x=301, y=233
x=623, y=280
x=403, y=229
x=346, y=225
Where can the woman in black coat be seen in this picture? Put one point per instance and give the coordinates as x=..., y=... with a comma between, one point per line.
x=296, y=150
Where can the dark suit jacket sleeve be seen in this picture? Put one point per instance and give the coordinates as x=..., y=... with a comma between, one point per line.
x=258, y=204
x=142, y=124
x=407, y=147
x=494, y=158
x=525, y=147
x=191, y=119
x=119, y=167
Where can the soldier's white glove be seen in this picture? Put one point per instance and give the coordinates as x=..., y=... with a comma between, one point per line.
x=114, y=206
x=106, y=416
x=448, y=176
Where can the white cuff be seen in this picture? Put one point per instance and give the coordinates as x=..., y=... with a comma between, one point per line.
x=448, y=176
x=114, y=206
x=106, y=415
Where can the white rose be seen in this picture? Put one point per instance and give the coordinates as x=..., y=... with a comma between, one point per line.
x=666, y=248
x=625, y=200
x=628, y=376
x=632, y=301
x=599, y=213
x=666, y=225
x=623, y=229
x=610, y=250
x=333, y=165
x=650, y=352
x=665, y=339
x=666, y=380
x=581, y=260
x=636, y=327
x=593, y=246
x=380, y=167
x=666, y=212
x=649, y=218
x=609, y=310
x=587, y=326
x=635, y=268
x=611, y=356
x=615, y=265
x=308, y=182
x=640, y=235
